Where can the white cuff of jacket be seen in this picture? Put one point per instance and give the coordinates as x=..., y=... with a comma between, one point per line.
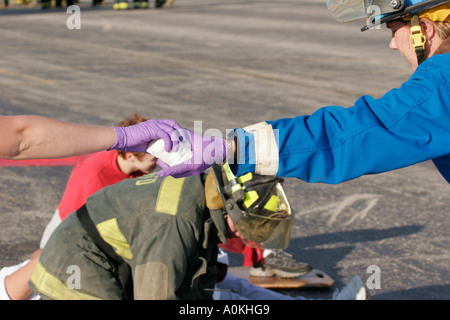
x=266, y=148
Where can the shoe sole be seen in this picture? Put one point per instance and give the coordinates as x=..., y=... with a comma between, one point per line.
x=276, y=272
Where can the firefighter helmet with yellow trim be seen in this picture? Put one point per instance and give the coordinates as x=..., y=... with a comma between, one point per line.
x=381, y=11
x=256, y=204
x=378, y=12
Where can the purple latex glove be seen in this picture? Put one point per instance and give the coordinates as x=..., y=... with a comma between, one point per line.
x=136, y=138
x=206, y=151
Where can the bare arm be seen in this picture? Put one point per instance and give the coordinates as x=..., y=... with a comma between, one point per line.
x=32, y=137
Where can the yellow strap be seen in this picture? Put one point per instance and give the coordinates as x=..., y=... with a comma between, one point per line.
x=169, y=195
x=417, y=38
x=54, y=288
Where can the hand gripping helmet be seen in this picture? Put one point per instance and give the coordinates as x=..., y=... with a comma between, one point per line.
x=256, y=204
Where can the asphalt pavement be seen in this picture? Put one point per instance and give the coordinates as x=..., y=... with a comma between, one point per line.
x=222, y=65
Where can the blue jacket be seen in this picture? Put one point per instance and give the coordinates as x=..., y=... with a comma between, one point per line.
x=406, y=126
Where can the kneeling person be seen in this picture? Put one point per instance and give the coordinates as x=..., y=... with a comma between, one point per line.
x=166, y=230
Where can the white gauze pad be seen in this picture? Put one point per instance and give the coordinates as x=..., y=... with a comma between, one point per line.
x=172, y=158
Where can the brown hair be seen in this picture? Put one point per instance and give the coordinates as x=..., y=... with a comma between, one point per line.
x=135, y=119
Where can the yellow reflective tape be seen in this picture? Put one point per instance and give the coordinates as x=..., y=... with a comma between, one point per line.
x=272, y=204
x=246, y=177
x=235, y=188
x=231, y=178
x=250, y=198
x=146, y=179
x=110, y=232
x=226, y=168
x=169, y=195
x=54, y=288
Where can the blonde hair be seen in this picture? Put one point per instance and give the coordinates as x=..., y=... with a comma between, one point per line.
x=439, y=16
x=442, y=29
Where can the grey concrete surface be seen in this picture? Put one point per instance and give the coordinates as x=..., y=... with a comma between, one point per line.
x=228, y=64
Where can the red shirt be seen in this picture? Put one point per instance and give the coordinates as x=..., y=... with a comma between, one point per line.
x=87, y=177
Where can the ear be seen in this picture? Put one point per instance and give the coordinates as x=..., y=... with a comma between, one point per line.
x=427, y=28
x=129, y=156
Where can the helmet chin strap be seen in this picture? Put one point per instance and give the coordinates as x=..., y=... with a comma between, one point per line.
x=417, y=39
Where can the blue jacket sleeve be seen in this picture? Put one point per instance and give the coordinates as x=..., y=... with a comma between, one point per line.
x=406, y=126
